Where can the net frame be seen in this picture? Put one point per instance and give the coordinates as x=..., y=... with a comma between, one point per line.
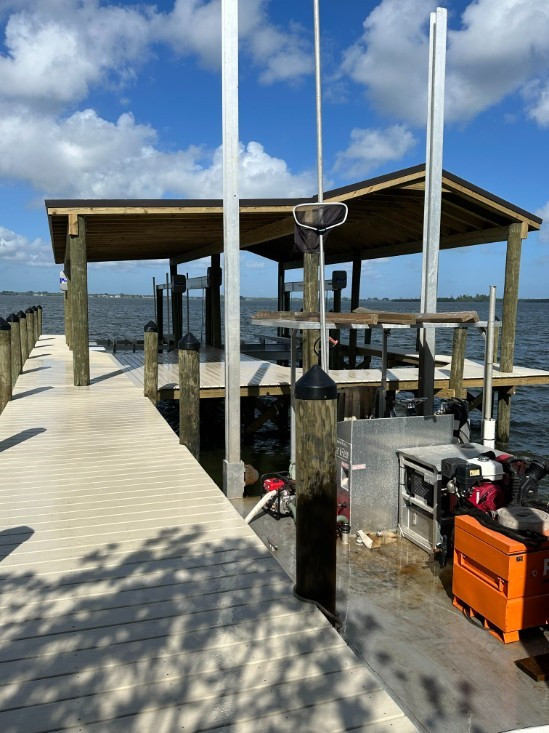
x=319, y=229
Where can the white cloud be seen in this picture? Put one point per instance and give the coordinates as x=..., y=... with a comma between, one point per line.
x=194, y=26
x=87, y=156
x=57, y=50
x=536, y=94
x=391, y=57
x=371, y=148
x=16, y=248
x=501, y=47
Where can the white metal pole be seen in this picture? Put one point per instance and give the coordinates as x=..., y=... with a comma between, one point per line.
x=433, y=197
x=488, y=423
x=322, y=294
x=233, y=468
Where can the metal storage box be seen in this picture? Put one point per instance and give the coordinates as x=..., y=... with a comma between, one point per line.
x=367, y=463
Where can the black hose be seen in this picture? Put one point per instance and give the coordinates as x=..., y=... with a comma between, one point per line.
x=527, y=536
x=334, y=619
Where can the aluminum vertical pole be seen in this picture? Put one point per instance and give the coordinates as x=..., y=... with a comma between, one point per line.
x=322, y=294
x=488, y=423
x=433, y=197
x=233, y=468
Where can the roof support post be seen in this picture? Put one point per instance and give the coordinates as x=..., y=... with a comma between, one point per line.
x=233, y=467
x=177, y=307
x=215, y=300
x=355, y=302
x=510, y=296
x=67, y=297
x=78, y=289
x=281, y=295
x=433, y=200
x=310, y=304
x=516, y=234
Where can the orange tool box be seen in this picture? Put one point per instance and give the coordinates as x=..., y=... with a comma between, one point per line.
x=500, y=579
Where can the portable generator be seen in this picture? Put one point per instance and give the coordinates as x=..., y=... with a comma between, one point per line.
x=438, y=482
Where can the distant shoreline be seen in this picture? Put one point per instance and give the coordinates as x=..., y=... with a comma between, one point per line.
x=117, y=296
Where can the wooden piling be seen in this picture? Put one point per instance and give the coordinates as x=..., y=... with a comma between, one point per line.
x=40, y=320
x=30, y=330
x=15, y=334
x=159, y=310
x=79, y=305
x=458, y=361
x=316, y=407
x=5, y=364
x=177, y=306
x=335, y=353
x=215, y=299
x=24, y=341
x=355, y=302
x=67, y=299
x=508, y=326
x=510, y=297
x=150, y=377
x=310, y=303
x=189, y=393
x=503, y=422
x=36, y=326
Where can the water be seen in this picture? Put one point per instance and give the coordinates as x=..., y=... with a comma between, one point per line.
x=126, y=317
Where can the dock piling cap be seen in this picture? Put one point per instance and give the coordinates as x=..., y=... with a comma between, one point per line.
x=189, y=342
x=151, y=327
x=21, y=315
x=39, y=307
x=316, y=385
x=12, y=318
x=4, y=325
x=29, y=310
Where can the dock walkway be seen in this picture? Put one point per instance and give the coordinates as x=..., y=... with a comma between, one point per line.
x=259, y=377
x=133, y=595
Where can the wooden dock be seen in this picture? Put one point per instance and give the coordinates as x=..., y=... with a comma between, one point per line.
x=134, y=597
x=259, y=377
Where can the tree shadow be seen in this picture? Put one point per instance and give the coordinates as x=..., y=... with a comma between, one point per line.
x=177, y=631
x=20, y=438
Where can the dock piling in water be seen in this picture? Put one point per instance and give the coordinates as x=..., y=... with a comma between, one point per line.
x=13, y=320
x=24, y=341
x=316, y=408
x=30, y=330
x=150, y=378
x=458, y=361
x=36, y=324
x=40, y=321
x=189, y=393
x=5, y=364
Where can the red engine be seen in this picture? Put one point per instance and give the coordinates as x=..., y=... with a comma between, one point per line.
x=487, y=496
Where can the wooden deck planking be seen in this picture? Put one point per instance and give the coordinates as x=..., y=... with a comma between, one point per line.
x=265, y=378
x=133, y=595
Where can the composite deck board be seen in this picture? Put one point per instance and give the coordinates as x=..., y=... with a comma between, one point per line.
x=133, y=595
x=264, y=378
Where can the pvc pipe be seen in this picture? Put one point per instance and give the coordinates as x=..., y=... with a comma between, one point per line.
x=489, y=432
x=259, y=506
x=489, y=357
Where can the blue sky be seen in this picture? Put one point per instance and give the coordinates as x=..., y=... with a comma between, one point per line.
x=123, y=100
